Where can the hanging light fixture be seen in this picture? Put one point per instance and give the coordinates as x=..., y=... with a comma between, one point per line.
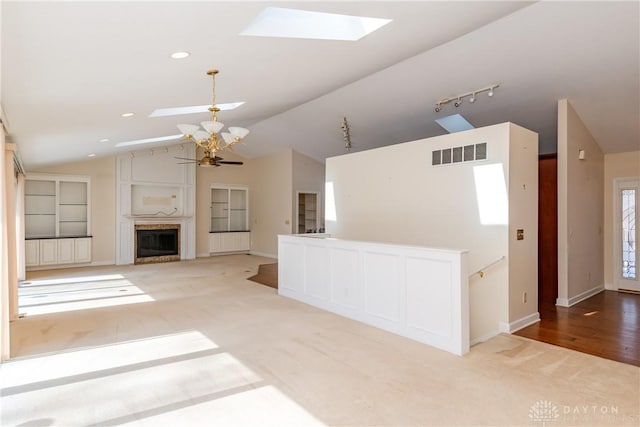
x=209, y=138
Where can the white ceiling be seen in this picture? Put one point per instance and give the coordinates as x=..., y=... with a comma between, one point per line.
x=69, y=69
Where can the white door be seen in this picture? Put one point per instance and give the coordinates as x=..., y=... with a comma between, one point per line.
x=626, y=214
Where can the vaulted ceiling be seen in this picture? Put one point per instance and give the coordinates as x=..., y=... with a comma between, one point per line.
x=70, y=69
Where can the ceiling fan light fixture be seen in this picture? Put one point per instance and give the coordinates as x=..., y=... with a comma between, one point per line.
x=212, y=127
x=227, y=137
x=209, y=139
x=200, y=135
x=238, y=132
x=188, y=129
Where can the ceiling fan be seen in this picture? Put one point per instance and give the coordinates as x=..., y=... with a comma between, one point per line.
x=207, y=160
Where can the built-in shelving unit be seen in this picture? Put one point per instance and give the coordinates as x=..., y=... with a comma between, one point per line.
x=307, y=213
x=229, y=226
x=57, y=219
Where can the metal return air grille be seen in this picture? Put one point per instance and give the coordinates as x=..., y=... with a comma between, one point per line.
x=467, y=153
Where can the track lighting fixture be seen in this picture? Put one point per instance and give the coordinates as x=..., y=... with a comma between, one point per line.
x=458, y=99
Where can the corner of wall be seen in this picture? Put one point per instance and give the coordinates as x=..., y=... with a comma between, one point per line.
x=580, y=207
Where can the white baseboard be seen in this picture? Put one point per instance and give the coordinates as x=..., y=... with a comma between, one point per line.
x=564, y=302
x=264, y=254
x=483, y=338
x=523, y=322
x=103, y=263
x=203, y=255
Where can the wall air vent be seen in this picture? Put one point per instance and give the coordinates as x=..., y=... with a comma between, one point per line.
x=466, y=153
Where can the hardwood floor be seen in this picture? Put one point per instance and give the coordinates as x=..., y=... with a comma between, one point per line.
x=267, y=275
x=605, y=325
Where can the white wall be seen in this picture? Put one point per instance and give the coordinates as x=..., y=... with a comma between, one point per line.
x=394, y=195
x=580, y=210
x=617, y=165
x=270, y=201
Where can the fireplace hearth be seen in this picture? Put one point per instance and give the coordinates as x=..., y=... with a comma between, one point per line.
x=157, y=243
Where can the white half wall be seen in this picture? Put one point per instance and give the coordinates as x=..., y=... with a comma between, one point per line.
x=419, y=293
x=394, y=195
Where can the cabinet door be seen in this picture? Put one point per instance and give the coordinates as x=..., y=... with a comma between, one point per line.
x=82, y=250
x=244, y=241
x=235, y=242
x=215, y=242
x=48, y=252
x=66, y=249
x=31, y=253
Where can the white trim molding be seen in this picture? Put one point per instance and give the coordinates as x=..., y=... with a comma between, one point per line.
x=521, y=323
x=564, y=302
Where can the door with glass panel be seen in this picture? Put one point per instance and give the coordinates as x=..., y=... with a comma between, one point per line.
x=626, y=255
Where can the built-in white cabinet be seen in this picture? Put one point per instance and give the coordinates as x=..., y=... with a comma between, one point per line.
x=229, y=226
x=32, y=253
x=57, y=219
x=49, y=252
x=82, y=250
x=229, y=242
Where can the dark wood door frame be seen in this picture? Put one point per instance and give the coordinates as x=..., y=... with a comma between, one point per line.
x=547, y=230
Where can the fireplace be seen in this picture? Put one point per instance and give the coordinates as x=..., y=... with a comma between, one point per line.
x=157, y=243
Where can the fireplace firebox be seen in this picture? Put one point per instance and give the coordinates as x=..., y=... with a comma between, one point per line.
x=157, y=243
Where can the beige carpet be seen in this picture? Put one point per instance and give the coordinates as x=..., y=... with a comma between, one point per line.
x=195, y=344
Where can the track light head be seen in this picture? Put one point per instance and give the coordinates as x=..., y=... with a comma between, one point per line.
x=490, y=94
x=458, y=102
x=437, y=108
x=473, y=98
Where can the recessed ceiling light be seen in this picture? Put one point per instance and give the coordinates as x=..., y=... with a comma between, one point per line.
x=304, y=24
x=104, y=140
x=149, y=140
x=176, y=111
x=91, y=155
x=180, y=55
x=126, y=114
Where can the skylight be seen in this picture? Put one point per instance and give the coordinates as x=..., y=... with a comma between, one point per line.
x=303, y=24
x=177, y=111
x=149, y=140
x=454, y=123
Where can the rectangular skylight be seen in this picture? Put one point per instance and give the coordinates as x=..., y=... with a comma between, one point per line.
x=149, y=140
x=304, y=24
x=177, y=111
x=454, y=123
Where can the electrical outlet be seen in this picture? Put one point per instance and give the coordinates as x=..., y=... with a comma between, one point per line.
x=524, y=297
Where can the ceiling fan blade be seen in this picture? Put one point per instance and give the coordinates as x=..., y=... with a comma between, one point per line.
x=218, y=158
x=230, y=163
x=186, y=163
x=185, y=158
